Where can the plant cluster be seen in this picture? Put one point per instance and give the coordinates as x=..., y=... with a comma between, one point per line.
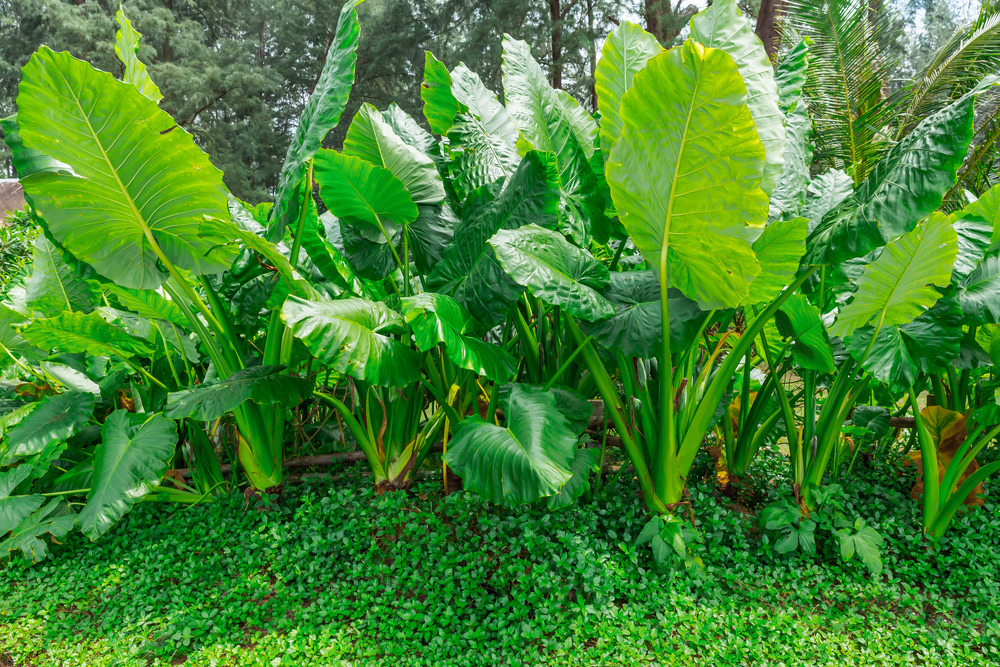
x=480, y=286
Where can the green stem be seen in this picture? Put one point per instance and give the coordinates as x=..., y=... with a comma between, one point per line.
x=928, y=454
x=303, y=212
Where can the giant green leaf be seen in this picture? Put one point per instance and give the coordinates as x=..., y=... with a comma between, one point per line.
x=584, y=463
x=636, y=328
x=987, y=207
x=721, y=26
x=149, y=304
x=898, y=285
x=321, y=114
x=55, y=518
x=54, y=286
x=790, y=76
x=360, y=192
x=778, y=251
x=979, y=293
x=134, y=452
x=80, y=332
x=14, y=509
x=347, y=335
x=903, y=188
x=554, y=270
x=127, y=49
x=529, y=459
x=626, y=50
x=27, y=161
x=800, y=321
x=12, y=343
x=139, y=177
x=370, y=138
x=264, y=385
x=55, y=419
x=685, y=174
x=469, y=270
x=439, y=319
x=824, y=194
x=790, y=192
x=973, y=241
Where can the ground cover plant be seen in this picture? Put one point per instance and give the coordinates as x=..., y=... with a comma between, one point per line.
x=555, y=310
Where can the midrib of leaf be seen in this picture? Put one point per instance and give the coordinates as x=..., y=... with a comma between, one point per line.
x=62, y=287
x=102, y=488
x=896, y=284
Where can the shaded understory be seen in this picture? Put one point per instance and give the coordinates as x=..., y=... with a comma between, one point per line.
x=341, y=576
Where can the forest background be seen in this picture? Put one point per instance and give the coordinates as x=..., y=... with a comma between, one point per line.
x=237, y=73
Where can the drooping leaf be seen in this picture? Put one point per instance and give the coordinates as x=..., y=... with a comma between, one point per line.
x=778, y=251
x=973, y=242
x=800, y=321
x=264, y=385
x=529, y=459
x=790, y=76
x=54, y=286
x=134, y=452
x=56, y=418
x=584, y=463
x=55, y=518
x=127, y=49
x=439, y=319
x=346, y=335
x=84, y=332
x=626, y=50
x=790, y=192
x=722, y=26
x=554, y=270
x=897, y=286
x=321, y=114
x=979, y=293
x=430, y=235
x=636, y=328
x=679, y=200
x=138, y=175
x=440, y=105
x=360, y=192
x=14, y=509
x=372, y=139
x=902, y=189
x=71, y=378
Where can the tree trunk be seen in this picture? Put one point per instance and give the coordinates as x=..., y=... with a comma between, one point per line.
x=555, y=11
x=767, y=26
x=665, y=21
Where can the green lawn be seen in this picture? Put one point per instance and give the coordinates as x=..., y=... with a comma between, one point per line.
x=340, y=576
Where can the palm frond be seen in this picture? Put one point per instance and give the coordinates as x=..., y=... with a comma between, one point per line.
x=847, y=91
x=971, y=53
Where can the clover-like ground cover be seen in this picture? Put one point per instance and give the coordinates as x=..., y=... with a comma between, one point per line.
x=322, y=581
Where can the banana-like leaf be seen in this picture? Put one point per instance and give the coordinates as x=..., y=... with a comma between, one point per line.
x=264, y=385
x=529, y=459
x=801, y=321
x=134, y=452
x=791, y=75
x=722, y=26
x=14, y=509
x=55, y=518
x=543, y=117
x=903, y=188
x=346, y=335
x=979, y=293
x=371, y=138
x=973, y=241
x=793, y=184
x=469, y=270
x=139, y=177
x=778, y=251
x=55, y=419
x=359, y=192
x=685, y=174
x=825, y=193
x=899, y=354
x=127, y=49
x=636, y=328
x=898, y=286
x=554, y=270
x=439, y=319
x=80, y=332
x=584, y=463
x=440, y=105
x=54, y=286
x=626, y=50
x=321, y=114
